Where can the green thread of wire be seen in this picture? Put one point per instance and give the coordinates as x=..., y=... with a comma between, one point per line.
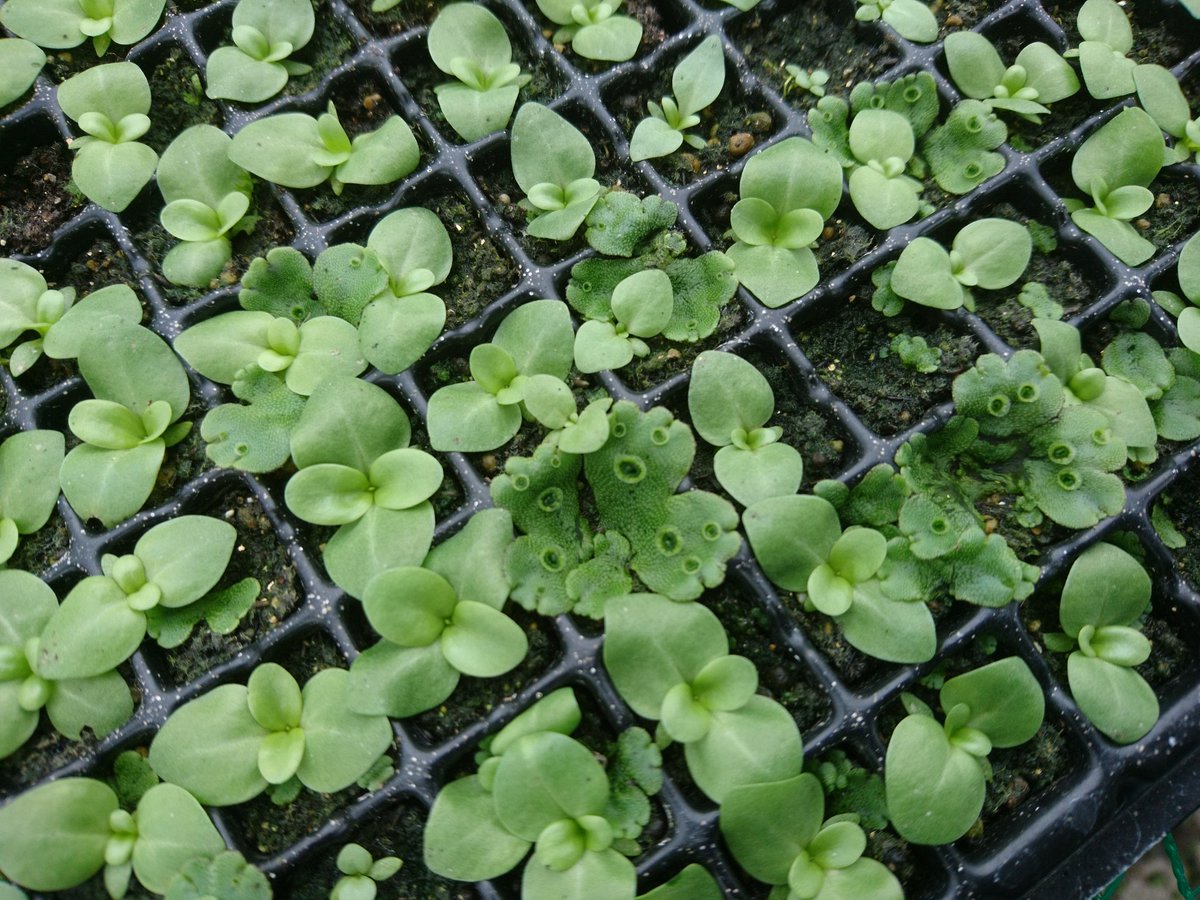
x=1181, y=878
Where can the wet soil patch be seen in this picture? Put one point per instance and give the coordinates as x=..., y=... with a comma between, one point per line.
x=37, y=195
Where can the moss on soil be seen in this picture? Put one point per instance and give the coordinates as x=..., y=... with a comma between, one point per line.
x=848, y=346
x=405, y=15
x=178, y=104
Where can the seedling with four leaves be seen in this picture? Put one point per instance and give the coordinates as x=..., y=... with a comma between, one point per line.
x=553, y=163
x=265, y=34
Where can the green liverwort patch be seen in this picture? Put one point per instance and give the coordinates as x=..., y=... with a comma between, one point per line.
x=226, y=875
x=470, y=43
x=265, y=34
x=695, y=83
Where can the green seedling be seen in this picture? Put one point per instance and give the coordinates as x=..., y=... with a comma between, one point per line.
x=60, y=834
x=882, y=143
x=989, y=254
x=1161, y=96
x=207, y=203
x=553, y=163
x=787, y=192
x=101, y=702
x=60, y=322
x=1038, y=76
x=1102, y=54
x=375, y=488
x=29, y=465
x=140, y=392
x=438, y=622
x=522, y=370
x=696, y=83
x=912, y=19
x=470, y=43
x=670, y=662
x=730, y=403
x=1115, y=167
x=997, y=705
x=361, y=873
x=103, y=619
x=60, y=24
x=642, y=306
x=801, y=79
x=1105, y=596
x=265, y=34
x=804, y=854
x=800, y=544
x=594, y=28
x=110, y=104
x=20, y=63
x=233, y=742
x=297, y=151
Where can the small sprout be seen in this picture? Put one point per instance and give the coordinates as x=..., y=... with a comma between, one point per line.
x=1115, y=167
x=68, y=23
x=265, y=34
x=109, y=103
x=801, y=79
x=1107, y=38
x=882, y=144
x=1037, y=77
x=469, y=42
x=361, y=873
x=553, y=163
x=696, y=83
x=1106, y=593
x=593, y=28
x=295, y=150
x=912, y=19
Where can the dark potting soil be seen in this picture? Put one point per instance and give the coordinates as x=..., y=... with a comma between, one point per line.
x=36, y=193
x=848, y=344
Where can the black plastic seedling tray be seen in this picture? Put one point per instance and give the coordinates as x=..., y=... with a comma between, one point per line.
x=1067, y=841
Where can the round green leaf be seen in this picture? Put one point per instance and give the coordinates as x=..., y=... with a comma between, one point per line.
x=546, y=777
x=273, y=697
x=548, y=148
x=382, y=156
x=755, y=744
x=281, y=149
x=775, y=275
x=888, y=629
x=599, y=348
x=102, y=703
x=186, y=556
x=749, y=476
x=413, y=238
x=606, y=875
x=934, y=790
x=395, y=332
x=114, y=90
x=403, y=478
x=1105, y=586
x=382, y=539
x=464, y=839
x=196, y=264
x=133, y=366
x=923, y=275
x=340, y=744
x=768, y=825
x=882, y=201
x=280, y=753
x=329, y=494
x=466, y=418
x=974, y=64
x=220, y=347
x=53, y=24
x=1005, y=701
x=53, y=837
x=93, y=632
x=653, y=138
x=350, y=422
x=110, y=485
x=400, y=681
x=466, y=29
x=794, y=174
x=112, y=175
x=858, y=553
x=20, y=63
x=994, y=251
x=482, y=642
x=328, y=349
x=614, y=39
x=209, y=747
x=1116, y=699
x=727, y=393
x=791, y=536
x=17, y=724
x=862, y=878
x=880, y=134
x=172, y=828
x=408, y=605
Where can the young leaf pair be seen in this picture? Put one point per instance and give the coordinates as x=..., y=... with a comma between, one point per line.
x=696, y=83
x=265, y=34
x=61, y=24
